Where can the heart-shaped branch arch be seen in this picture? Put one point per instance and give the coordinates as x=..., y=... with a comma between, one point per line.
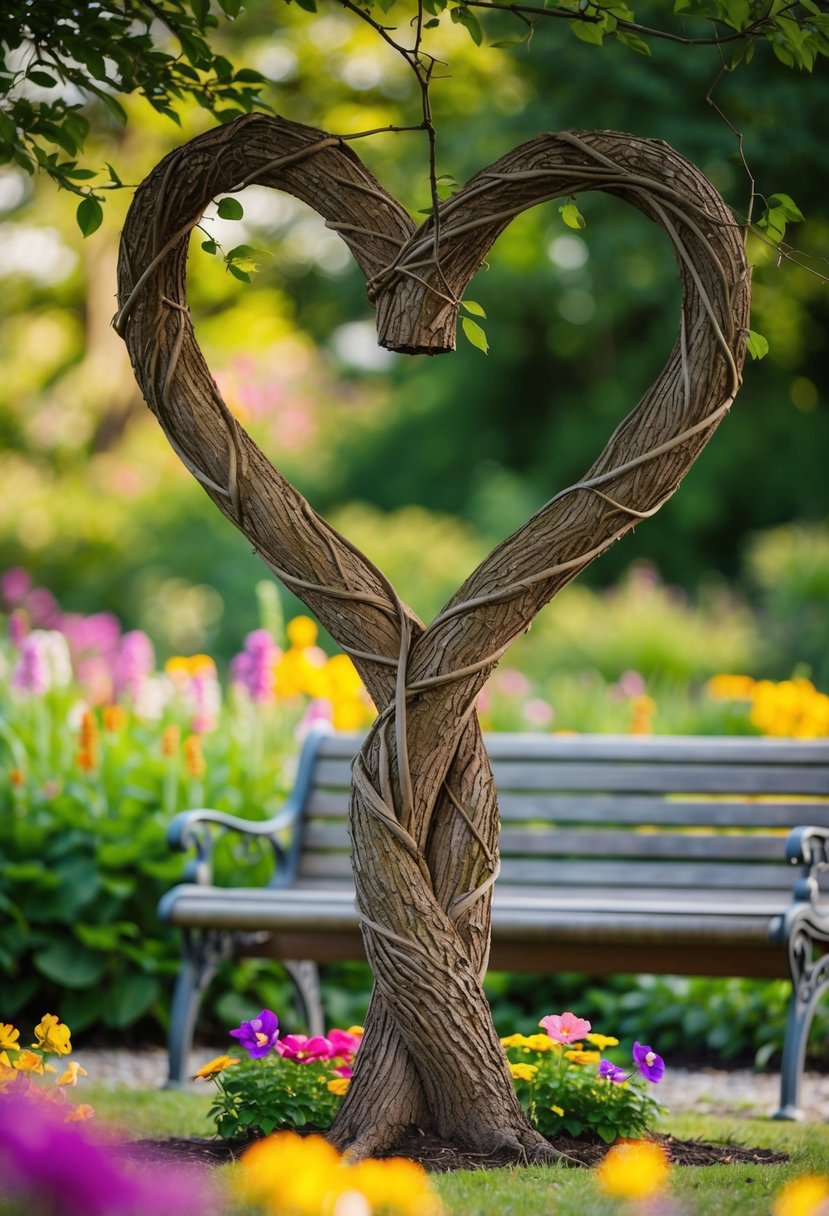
x=424, y=814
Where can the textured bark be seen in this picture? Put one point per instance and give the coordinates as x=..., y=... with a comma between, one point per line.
x=424, y=813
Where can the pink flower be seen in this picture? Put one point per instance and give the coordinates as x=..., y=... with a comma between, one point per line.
x=15, y=585
x=134, y=664
x=538, y=712
x=565, y=1027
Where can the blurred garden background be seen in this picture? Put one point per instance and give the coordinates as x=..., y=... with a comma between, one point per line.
x=138, y=625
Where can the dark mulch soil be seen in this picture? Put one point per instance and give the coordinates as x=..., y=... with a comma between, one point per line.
x=437, y=1157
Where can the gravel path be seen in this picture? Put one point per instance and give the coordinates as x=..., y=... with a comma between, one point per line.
x=706, y=1090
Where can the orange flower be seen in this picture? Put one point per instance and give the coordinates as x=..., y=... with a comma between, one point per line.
x=17, y=776
x=170, y=740
x=194, y=756
x=80, y=1113
x=115, y=719
x=216, y=1065
x=87, y=755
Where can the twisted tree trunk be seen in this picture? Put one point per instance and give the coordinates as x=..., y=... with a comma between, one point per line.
x=424, y=817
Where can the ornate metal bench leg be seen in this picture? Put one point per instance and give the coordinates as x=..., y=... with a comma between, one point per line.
x=202, y=952
x=810, y=979
x=306, y=976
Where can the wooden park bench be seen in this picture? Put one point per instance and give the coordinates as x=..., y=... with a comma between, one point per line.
x=687, y=856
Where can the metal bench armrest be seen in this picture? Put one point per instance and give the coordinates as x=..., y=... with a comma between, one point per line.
x=808, y=847
x=200, y=829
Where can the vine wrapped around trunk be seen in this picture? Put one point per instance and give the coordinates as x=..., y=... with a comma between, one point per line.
x=424, y=817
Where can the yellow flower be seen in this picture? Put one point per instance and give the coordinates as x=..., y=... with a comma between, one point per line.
x=290, y=1173
x=583, y=1057
x=28, y=1061
x=79, y=1113
x=217, y=1064
x=338, y=1086
x=356, y=1030
x=71, y=1074
x=52, y=1035
x=514, y=1040
x=395, y=1185
x=523, y=1072
x=602, y=1041
x=9, y=1037
x=350, y=713
x=182, y=667
x=634, y=1169
x=540, y=1042
x=724, y=687
x=557, y=1110
x=302, y=632
x=806, y=1196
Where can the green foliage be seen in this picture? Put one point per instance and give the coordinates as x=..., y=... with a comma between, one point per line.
x=50, y=55
x=788, y=568
x=255, y=1096
x=83, y=851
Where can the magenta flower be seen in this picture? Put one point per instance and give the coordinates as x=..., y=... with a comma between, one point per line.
x=565, y=1027
x=259, y=1035
x=343, y=1044
x=651, y=1066
x=304, y=1050
x=49, y=1166
x=612, y=1072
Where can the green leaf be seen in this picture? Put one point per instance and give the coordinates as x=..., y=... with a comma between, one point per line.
x=69, y=964
x=130, y=998
x=756, y=345
x=471, y=306
x=588, y=31
x=633, y=41
x=475, y=334
x=89, y=215
x=309, y=5
x=42, y=78
x=237, y=273
x=230, y=209
x=462, y=16
x=786, y=204
x=210, y=246
x=571, y=215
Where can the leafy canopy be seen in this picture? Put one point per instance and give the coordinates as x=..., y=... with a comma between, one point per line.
x=57, y=58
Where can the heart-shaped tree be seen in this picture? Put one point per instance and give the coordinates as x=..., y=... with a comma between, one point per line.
x=424, y=819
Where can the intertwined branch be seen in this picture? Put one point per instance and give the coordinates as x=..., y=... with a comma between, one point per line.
x=424, y=816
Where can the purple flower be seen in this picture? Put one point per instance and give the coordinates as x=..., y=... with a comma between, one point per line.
x=51, y=1167
x=253, y=668
x=259, y=1035
x=651, y=1066
x=612, y=1072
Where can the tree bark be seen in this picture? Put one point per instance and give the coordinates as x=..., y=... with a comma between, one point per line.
x=424, y=817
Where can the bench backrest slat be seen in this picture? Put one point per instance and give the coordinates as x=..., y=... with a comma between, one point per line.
x=593, y=810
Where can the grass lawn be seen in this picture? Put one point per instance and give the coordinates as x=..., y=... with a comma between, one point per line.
x=536, y=1191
